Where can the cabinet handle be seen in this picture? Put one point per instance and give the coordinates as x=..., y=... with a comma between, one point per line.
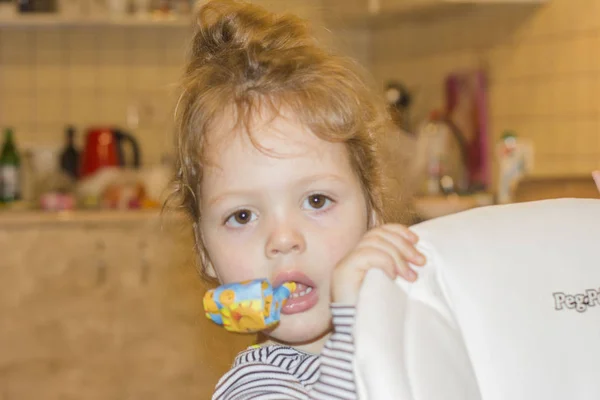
x=144, y=264
x=101, y=272
x=145, y=272
x=101, y=265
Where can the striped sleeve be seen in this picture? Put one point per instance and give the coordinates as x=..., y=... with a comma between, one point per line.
x=264, y=374
x=336, y=380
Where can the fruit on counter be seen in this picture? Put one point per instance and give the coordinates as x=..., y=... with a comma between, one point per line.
x=125, y=196
x=56, y=201
x=121, y=189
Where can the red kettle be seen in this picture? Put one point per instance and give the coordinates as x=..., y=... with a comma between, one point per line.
x=104, y=148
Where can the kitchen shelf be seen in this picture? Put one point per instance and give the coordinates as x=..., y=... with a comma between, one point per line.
x=50, y=20
x=362, y=13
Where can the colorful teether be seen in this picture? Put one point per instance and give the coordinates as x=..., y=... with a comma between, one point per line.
x=247, y=307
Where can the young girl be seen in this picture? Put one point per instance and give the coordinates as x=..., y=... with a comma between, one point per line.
x=278, y=169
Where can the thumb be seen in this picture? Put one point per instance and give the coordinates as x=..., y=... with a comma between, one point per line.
x=596, y=176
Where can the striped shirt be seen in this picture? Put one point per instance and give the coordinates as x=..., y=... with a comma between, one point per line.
x=283, y=373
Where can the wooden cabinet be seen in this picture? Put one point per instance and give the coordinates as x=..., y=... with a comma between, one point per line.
x=107, y=310
x=543, y=188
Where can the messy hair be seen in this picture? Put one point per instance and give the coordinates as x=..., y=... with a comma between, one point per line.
x=245, y=57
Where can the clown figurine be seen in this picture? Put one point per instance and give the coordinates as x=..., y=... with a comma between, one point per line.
x=515, y=159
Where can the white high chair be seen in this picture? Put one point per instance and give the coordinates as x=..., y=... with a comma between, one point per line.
x=507, y=308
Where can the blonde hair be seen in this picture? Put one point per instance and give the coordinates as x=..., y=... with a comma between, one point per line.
x=246, y=57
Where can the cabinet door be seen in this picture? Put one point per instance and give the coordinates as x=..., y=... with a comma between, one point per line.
x=106, y=312
x=55, y=317
x=167, y=347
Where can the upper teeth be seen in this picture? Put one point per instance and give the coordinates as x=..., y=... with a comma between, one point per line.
x=302, y=293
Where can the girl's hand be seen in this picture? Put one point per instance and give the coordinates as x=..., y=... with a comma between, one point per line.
x=596, y=175
x=388, y=247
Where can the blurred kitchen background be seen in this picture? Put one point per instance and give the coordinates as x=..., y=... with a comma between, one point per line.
x=493, y=102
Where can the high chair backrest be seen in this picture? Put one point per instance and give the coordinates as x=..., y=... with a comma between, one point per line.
x=507, y=308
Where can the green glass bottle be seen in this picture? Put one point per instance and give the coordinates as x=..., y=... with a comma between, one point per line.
x=10, y=164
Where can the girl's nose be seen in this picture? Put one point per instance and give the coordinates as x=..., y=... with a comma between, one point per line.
x=284, y=239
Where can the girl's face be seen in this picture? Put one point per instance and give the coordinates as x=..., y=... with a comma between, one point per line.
x=287, y=212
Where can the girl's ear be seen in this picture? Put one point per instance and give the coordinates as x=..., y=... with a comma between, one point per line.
x=205, y=263
x=596, y=176
x=207, y=266
x=375, y=219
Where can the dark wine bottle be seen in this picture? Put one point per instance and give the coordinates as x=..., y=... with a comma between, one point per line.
x=69, y=158
x=10, y=163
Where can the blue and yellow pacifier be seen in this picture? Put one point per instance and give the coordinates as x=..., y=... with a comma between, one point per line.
x=247, y=307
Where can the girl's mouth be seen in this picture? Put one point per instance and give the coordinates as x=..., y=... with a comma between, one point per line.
x=301, y=290
x=304, y=297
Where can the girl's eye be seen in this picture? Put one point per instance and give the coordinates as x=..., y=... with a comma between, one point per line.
x=240, y=217
x=317, y=201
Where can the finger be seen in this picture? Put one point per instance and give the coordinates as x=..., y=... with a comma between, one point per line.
x=405, y=250
x=350, y=273
x=403, y=231
x=408, y=250
x=596, y=175
x=400, y=264
x=370, y=256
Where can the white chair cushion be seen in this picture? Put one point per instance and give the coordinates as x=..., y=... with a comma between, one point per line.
x=497, y=313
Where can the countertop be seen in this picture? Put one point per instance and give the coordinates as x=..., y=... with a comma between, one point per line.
x=430, y=207
x=22, y=218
